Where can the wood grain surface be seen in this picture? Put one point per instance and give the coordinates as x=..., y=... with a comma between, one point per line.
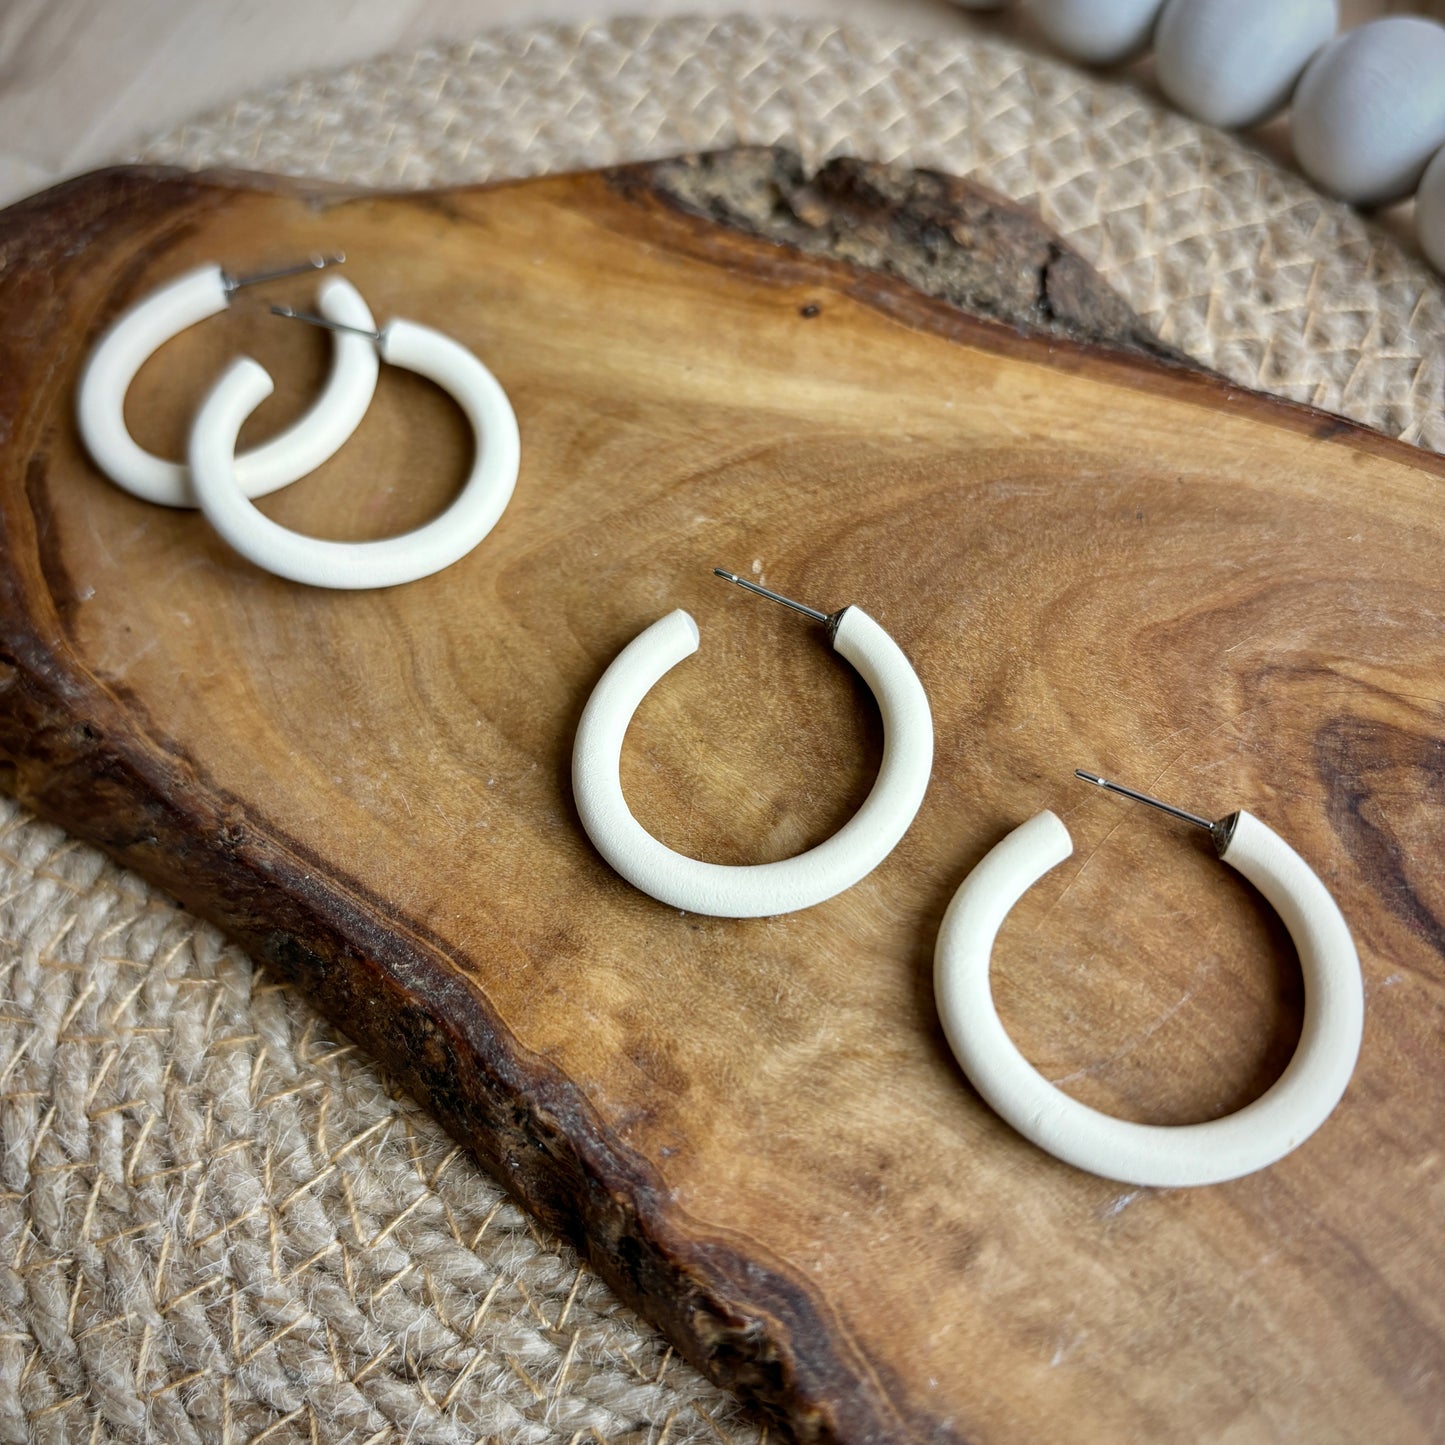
x=1092, y=556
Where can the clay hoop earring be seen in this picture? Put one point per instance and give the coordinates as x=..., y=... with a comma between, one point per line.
x=1258, y=1135
x=349, y=565
x=761, y=889
x=137, y=334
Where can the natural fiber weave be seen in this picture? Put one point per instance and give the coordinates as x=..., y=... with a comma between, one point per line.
x=216, y=1223
x=1229, y=258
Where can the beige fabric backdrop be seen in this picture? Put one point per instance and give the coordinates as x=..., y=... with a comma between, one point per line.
x=215, y=1222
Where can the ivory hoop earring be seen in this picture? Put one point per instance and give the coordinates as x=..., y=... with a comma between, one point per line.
x=136, y=335
x=350, y=565
x=761, y=889
x=1258, y=1135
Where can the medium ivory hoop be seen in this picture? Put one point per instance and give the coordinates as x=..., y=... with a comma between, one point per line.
x=135, y=336
x=351, y=565
x=1282, y=1118
x=761, y=889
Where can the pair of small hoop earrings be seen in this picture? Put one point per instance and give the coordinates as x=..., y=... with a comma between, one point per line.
x=1167, y=1156
x=223, y=485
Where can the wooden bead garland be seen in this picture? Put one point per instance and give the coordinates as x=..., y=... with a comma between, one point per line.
x=1430, y=212
x=1098, y=32
x=1368, y=121
x=1233, y=63
x=1369, y=111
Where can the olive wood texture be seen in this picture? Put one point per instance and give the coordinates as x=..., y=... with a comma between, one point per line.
x=1091, y=555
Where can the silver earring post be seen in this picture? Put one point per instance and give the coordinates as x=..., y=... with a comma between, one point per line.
x=829, y=620
x=233, y=284
x=313, y=320
x=1221, y=831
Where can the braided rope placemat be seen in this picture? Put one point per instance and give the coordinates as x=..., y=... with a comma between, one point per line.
x=216, y=1223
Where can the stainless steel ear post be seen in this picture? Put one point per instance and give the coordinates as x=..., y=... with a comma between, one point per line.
x=232, y=284
x=829, y=620
x=311, y=319
x=1221, y=832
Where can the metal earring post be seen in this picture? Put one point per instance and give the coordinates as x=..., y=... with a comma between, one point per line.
x=1221, y=831
x=233, y=284
x=829, y=620
x=313, y=320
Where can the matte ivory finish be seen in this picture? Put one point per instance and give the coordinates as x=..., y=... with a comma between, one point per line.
x=143, y=329
x=390, y=561
x=1259, y=1134
x=760, y=889
x=756, y=1126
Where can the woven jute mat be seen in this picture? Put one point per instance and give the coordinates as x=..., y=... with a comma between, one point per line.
x=216, y=1223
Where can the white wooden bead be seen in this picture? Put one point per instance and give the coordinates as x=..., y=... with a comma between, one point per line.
x=1430, y=212
x=1233, y=62
x=1369, y=111
x=1097, y=32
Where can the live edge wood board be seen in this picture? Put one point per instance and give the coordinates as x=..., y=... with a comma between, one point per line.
x=1094, y=556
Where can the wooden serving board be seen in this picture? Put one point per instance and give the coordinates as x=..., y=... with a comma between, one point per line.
x=1093, y=557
